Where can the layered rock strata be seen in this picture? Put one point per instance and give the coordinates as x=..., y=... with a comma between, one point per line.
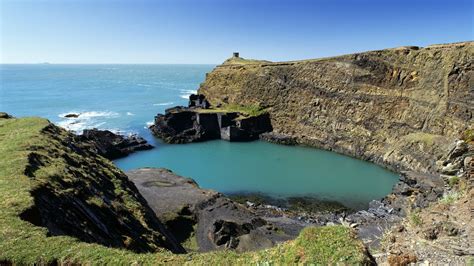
x=400, y=107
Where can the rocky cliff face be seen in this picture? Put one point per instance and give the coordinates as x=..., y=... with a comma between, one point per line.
x=400, y=107
x=56, y=183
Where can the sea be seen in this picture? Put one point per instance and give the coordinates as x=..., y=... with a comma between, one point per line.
x=125, y=99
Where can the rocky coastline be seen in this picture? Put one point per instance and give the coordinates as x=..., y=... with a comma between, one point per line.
x=408, y=109
x=113, y=146
x=200, y=122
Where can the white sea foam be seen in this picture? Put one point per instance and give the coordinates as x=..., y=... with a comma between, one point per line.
x=130, y=113
x=163, y=104
x=149, y=123
x=90, y=114
x=186, y=93
x=85, y=120
x=143, y=85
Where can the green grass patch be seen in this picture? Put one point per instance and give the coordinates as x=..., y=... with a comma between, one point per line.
x=453, y=181
x=450, y=197
x=426, y=138
x=243, y=61
x=415, y=218
x=468, y=135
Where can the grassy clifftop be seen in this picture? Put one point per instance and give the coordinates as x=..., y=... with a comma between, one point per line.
x=60, y=203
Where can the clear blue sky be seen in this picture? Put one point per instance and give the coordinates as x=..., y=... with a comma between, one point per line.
x=208, y=31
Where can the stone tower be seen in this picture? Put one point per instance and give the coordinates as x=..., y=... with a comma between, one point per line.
x=235, y=54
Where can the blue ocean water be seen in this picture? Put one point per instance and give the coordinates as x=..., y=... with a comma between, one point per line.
x=125, y=98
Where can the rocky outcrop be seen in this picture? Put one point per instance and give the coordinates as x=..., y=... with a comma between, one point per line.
x=59, y=184
x=113, y=146
x=205, y=218
x=5, y=115
x=199, y=123
x=400, y=108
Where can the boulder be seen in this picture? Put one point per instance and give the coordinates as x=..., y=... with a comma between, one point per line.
x=72, y=115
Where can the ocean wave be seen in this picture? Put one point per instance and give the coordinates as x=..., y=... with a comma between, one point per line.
x=163, y=104
x=149, y=123
x=89, y=114
x=186, y=93
x=84, y=120
x=130, y=113
x=143, y=85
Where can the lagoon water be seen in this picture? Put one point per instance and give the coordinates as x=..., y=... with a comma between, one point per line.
x=125, y=98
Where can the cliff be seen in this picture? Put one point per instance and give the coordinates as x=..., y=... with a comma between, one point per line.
x=54, y=189
x=401, y=108
x=61, y=203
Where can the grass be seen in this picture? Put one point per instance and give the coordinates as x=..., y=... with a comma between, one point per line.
x=244, y=110
x=24, y=243
x=243, y=61
x=426, y=138
x=468, y=135
x=450, y=197
x=415, y=218
x=453, y=181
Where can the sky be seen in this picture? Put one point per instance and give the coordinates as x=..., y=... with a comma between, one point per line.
x=208, y=31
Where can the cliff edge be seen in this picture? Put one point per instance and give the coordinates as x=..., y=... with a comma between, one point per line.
x=401, y=107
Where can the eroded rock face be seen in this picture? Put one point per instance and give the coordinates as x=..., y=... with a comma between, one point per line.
x=192, y=124
x=89, y=198
x=205, y=217
x=401, y=108
x=113, y=146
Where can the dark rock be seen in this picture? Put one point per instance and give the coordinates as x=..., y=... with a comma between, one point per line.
x=214, y=221
x=4, y=115
x=72, y=115
x=278, y=138
x=191, y=124
x=198, y=100
x=113, y=146
x=431, y=233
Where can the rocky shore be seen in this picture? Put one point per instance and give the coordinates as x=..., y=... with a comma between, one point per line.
x=113, y=146
x=205, y=220
x=409, y=109
x=200, y=122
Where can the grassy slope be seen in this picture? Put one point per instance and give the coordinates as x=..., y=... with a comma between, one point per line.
x=23, y=243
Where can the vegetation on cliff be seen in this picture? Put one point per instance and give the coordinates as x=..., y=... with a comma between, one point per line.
x=56, y=196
